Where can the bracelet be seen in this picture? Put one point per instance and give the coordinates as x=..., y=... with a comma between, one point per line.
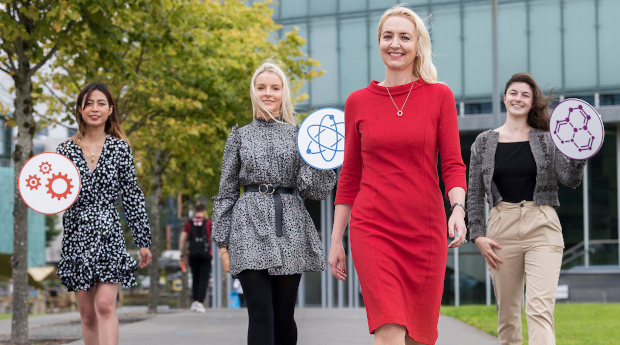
x=458, y=204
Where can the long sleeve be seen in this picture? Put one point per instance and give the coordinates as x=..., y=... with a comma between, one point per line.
x=224, y=203
x=568, y=171
x=351, y=173
x=314, y=184
x=133, y=199
x=475, y=195
x=452, y=166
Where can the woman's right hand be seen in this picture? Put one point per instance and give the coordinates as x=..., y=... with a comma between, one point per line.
x=225, y=260
x=485, y=245
x=337, y=261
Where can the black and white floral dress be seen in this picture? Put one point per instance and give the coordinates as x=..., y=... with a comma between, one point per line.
x=266, y=152
x=93, y=246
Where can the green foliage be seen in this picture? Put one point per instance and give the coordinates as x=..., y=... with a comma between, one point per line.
x=181, y=71
x=50, y=228
x=575, y=324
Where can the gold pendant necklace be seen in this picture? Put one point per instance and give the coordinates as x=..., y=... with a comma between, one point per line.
x=400, y=111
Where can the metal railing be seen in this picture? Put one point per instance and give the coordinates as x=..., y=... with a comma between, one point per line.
x=578, y=250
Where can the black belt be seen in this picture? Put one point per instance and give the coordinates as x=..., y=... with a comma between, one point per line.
x=275, y=190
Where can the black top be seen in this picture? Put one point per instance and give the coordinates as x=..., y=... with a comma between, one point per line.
x=515, y=171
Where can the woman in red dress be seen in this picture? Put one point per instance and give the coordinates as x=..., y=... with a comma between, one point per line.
x=389, y=186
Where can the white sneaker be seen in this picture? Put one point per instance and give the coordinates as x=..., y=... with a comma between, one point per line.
x=200, y=308
x=194, y=306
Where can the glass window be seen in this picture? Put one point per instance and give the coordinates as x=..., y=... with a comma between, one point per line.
x=2, y=134
x=323, y=47
x=322, y=7
x=570, y=213
x=478, y=108
x=603, y=195
x=303, y=32
x=377, y=68
x=382, y=4
x=445, y=35
x=353, y=56
x=609, y=47
x=580, y=44
x=609, y=99
x=294, y=8
x=478, y=57
x=512, y=40
x=352, y=5
x=545, y=44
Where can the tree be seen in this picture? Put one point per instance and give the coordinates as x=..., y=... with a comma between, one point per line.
x=180, y=86
x=32, y=33
x=50, y=228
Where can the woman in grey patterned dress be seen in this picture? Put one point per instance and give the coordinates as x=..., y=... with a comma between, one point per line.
x=266, y=236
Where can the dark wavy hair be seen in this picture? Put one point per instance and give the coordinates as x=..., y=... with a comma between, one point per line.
x=539, y=114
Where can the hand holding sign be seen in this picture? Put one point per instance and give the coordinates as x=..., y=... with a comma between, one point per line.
x=49, y=183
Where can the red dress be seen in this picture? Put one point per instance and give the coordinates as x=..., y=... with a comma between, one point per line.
x=398, y=222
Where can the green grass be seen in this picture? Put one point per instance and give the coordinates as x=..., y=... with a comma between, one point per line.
x=575, y=324
x=8, y=316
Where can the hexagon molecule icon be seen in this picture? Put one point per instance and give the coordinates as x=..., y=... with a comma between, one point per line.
x=576, y=129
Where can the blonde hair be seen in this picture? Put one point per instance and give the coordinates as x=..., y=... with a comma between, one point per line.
x=423, y=66
x=287, y=111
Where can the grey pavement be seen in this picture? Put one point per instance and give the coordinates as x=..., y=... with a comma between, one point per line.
x=229, y=326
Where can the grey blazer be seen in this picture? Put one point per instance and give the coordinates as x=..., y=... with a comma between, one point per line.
x=552, y=166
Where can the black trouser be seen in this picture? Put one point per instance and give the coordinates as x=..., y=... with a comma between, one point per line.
x=271, y=307
x=201, y=268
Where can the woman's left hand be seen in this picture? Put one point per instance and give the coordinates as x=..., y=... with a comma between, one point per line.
x=457, y=221
x=145, y=253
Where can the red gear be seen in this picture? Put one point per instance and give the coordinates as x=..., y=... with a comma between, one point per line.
x=45, y=168
x=33, y=182
x=54, y=178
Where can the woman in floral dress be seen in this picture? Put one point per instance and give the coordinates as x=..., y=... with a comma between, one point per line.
x=94, y=259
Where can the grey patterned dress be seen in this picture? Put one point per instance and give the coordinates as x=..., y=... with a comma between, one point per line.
x=266, y=152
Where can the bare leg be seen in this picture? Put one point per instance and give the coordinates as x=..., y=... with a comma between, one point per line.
x=86, y=306
x=409, y=341
x=105, y=307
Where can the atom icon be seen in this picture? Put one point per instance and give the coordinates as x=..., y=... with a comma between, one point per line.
x=33, y=182
x=51, y=180
x=574, y=129
x=45, y=168
x=326, y=139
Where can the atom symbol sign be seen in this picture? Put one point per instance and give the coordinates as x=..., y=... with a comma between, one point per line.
x=326, y=139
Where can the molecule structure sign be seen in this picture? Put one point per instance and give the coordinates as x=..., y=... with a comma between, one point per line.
x=320, y=139
x=576, y=129
x=49, y=183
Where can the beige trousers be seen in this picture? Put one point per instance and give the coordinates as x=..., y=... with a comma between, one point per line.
x=532, y=247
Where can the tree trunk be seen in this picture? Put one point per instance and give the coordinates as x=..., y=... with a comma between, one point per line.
x=156, y=195
x=23, y=151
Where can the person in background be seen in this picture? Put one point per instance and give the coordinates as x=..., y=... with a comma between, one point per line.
x=198, y=231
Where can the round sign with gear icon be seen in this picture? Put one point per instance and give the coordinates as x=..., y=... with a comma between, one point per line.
x=49, y=183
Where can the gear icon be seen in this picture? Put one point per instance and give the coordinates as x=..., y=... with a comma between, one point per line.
x=33, y=182
x=51, y=180
x=45, y=168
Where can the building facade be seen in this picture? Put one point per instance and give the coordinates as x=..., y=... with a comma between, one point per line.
x=569, y=46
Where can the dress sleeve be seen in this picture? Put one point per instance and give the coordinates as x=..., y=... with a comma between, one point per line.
x=133, y=199
x=229, y=190
x=475, y=195
x=452, y=166
x=314, y=184
x=351, y=173
x=568, y=171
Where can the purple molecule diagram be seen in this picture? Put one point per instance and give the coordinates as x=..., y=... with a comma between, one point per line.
x=576, y=129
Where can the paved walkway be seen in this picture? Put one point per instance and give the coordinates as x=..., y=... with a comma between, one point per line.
x=228, y=327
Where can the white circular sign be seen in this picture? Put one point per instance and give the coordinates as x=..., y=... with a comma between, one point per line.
x=576, y=129
x=320, y=139
x=49, y=183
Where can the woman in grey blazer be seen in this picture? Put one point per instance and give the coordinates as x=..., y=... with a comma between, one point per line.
x=266, y=236
x=516, y=168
